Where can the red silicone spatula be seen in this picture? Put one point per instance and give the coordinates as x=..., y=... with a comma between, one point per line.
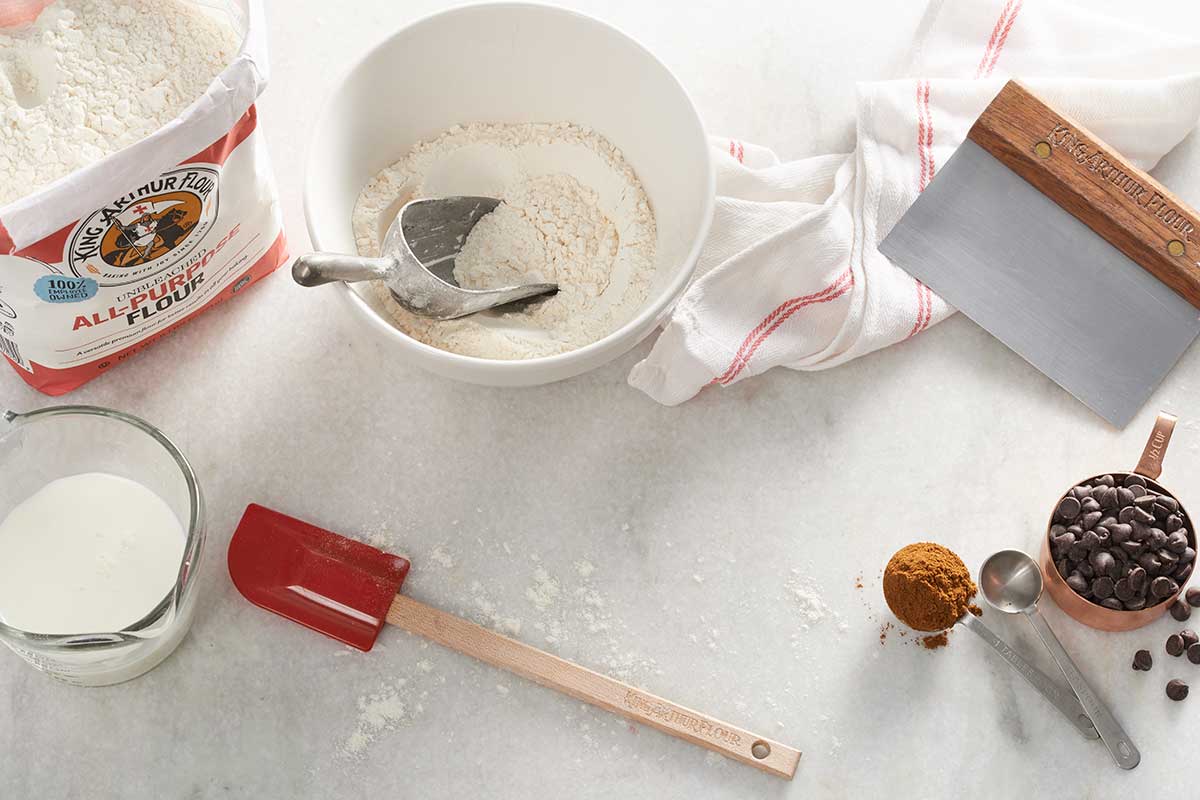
x=348, y=590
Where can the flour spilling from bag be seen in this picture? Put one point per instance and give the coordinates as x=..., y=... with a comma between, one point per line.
x=573, y=212
x=135, y=188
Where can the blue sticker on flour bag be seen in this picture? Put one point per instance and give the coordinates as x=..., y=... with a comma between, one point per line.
x=64, y=289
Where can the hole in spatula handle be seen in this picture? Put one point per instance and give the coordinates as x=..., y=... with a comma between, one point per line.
x=760, y=749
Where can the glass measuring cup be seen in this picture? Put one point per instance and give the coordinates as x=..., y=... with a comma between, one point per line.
x=56, y=442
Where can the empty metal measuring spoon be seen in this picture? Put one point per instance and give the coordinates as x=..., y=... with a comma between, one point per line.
x=417, y=261
x=1064, y=701
x=1012, y=582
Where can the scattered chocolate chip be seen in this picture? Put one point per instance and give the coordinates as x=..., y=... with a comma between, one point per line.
x=1179, y=609
x=1174, y=645
x=1193, y=597
x=1193, y=653
x=1189, y=638
x=1177, y=690
x=1142, y=661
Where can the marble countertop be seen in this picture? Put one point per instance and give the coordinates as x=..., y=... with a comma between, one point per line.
x=711, y=553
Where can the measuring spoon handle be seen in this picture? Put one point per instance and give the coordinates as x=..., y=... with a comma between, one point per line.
x=1064, y=701
x=1111, y=732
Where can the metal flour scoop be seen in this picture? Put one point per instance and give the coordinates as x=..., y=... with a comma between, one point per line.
x=348, y=590
x=417, y=264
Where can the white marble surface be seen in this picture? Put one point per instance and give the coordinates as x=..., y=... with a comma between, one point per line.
x=696, y=519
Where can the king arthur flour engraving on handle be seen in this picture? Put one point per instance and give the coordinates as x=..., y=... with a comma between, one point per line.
x=90, y=553
x=177, y=212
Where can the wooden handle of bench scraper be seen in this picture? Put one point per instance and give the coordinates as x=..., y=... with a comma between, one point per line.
x=592, y=687
x=1095, y=184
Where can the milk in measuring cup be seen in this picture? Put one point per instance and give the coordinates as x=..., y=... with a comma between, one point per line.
x=88, y=553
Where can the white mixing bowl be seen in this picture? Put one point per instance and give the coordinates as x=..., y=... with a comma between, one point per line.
x=514, y=62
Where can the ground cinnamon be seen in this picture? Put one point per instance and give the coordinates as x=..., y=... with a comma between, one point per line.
x=927, y=586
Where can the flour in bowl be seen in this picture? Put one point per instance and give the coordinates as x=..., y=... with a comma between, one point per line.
x=92, y=76
x=573, y=212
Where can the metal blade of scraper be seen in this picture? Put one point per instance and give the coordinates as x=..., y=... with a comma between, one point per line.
x=1044, y=283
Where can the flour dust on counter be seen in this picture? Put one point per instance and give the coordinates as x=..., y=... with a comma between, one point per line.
x=568, y=613
x=572, y=212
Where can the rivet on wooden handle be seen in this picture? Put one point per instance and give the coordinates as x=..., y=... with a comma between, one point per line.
x=601, y=691
x=1088, y=179
x=1150, y=464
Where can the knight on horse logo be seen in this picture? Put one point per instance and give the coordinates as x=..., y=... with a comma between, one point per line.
x=148, y=230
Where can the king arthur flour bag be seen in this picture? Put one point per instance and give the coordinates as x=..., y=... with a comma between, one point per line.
x=100, y=262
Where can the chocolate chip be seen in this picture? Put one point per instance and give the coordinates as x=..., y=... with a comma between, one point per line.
x=1187, y=556
x=1089, y=504
x=1183, y=573
x=1138, y=580
x=1145, y=501
x=1069, y=508
x=1193, y=653
x=1177, y=690
x=1077, y=582
x=1136, y=604
x=1062, y=567
x=1106, y=480
x=1142, y=661
x=1179, y=610
x=1124, y=497
x=1133, y=549
x=1138, y=491
x=1134, y=479
x=1126, y=514
x=1163, y=587
x=1142, y=515
x=1157, y=539
x=1193, y=597
x=1103, y=588
x=1189, y=638
x=1085, y=569
x=1123, y=589
x=1090, y=520
x=1171, y=503
x=1177, y=542
x=1149, y=562
x=1090, y=540
x=1174, y=645
x=1174, y=523
x=1119, y=532
x=1103, y=562
x=1113, y=603
x=1081, y=492
x=1078, y=551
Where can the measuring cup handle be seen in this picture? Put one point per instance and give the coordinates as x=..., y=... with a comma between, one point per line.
x=315, y=269
x=1151, y=462
x=1111, y=732
x=1063, y=700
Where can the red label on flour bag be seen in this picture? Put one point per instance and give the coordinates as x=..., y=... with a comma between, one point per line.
x=130, y=268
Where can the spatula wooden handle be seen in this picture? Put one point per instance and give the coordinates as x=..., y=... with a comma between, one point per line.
x=592, y=687
x=1092, y=182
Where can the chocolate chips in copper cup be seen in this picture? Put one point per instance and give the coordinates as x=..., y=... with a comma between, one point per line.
x=1122, y=542
x=1119, y=546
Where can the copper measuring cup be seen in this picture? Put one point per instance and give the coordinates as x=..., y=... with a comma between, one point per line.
x=1149, y=466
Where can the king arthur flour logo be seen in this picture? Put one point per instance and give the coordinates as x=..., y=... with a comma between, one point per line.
x=149, y=230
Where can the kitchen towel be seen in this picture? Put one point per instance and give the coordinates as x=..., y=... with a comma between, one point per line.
x=791, y=275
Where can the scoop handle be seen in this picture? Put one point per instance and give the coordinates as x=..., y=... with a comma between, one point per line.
x=315, y=269
x=592, y=687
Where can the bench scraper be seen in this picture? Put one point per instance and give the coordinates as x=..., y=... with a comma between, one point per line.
x=1042, y=234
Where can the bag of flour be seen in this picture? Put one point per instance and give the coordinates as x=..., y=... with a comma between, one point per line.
x=124, y=247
